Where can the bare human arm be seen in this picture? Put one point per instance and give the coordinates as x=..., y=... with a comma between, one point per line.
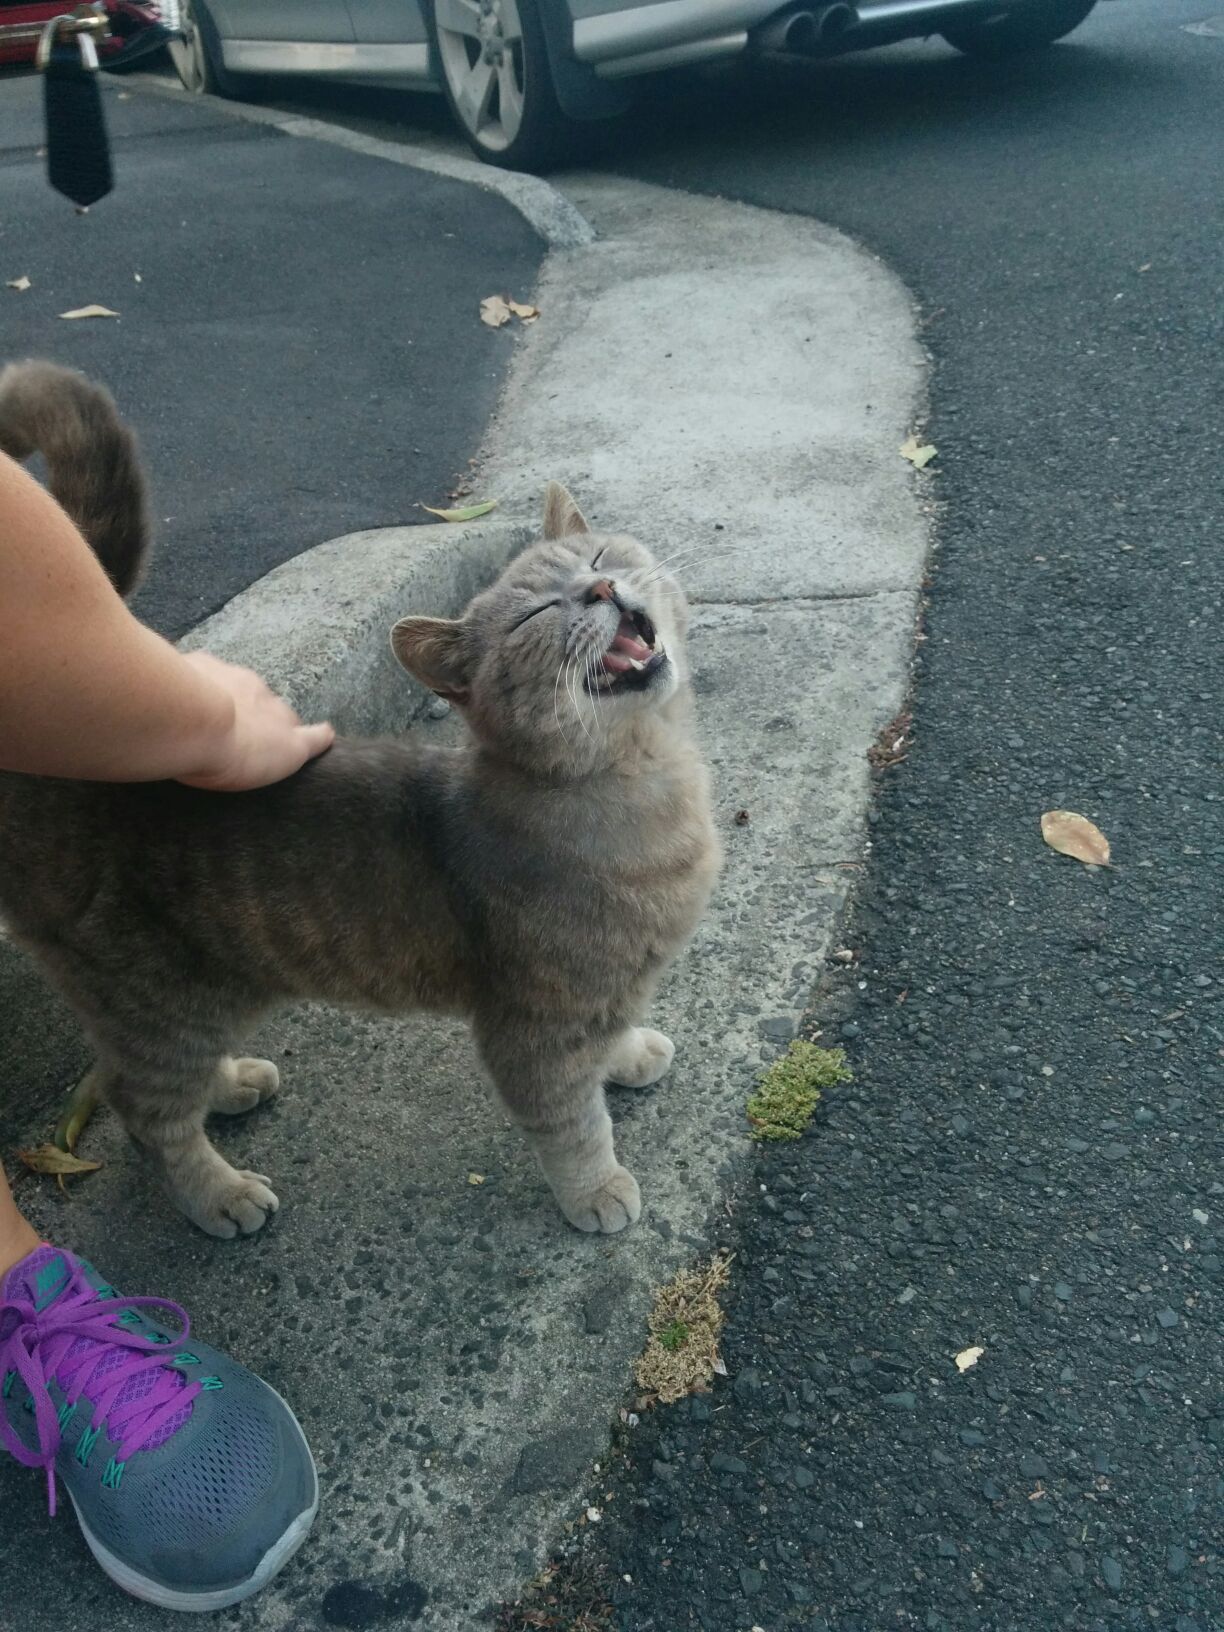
x=86, y=690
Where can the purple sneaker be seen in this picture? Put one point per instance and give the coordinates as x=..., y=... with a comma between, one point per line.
x=191, y=1479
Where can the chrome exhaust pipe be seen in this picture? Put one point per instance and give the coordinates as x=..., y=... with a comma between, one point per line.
x=810, y=31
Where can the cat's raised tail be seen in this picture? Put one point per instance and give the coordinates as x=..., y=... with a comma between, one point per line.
x=93, y=461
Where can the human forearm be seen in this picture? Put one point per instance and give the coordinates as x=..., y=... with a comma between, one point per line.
x=87, y=691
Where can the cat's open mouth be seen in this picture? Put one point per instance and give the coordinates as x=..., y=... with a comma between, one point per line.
x=633, y=658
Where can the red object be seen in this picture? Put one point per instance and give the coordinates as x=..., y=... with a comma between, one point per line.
x=21, y=24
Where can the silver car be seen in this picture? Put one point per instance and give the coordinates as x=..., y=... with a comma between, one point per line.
x=521, y=76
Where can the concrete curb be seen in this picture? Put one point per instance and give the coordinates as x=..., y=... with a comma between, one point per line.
x=548, y=211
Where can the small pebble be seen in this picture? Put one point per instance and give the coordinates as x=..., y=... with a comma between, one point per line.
x=1166, y=1318
x=1062, y=1291
x=904, y=1401
x=1111, y=1573
x=722, y=1463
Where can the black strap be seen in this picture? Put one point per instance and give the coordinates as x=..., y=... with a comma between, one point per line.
x=78, y=148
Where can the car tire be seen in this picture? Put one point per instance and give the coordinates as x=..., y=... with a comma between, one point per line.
x=493, y=64
x=197, y=56
x=1037, y=24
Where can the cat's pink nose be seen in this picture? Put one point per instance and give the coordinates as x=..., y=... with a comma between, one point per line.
x=604, y=590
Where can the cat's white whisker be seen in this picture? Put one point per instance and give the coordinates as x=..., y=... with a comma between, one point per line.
x=592, y=682
x=556, y=702
x=572, y=686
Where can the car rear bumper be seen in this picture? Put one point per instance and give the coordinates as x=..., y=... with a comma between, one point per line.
x=640, y=38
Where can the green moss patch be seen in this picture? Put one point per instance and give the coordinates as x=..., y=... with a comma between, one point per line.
x=788, y=1093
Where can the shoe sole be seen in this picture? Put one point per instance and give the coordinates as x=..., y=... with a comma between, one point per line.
x=274, y=1560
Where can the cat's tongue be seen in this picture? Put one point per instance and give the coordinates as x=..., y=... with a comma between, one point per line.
x=626, y=649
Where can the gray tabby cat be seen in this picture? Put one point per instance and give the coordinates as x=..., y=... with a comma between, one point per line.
x=537, y=880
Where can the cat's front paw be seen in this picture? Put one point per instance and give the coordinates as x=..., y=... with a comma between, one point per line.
x=242, y=1084
x=614, y=1204
x=642, y=1057
x=231, y=1203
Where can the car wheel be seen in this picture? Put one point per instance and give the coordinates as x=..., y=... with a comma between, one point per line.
x=197, y=56
x=495, y=72
x=1039, y=23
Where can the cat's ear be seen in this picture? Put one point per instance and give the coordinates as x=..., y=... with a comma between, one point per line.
x=431, y=649
x=562, y=517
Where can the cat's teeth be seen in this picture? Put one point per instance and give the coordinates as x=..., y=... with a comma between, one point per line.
x=634, y=664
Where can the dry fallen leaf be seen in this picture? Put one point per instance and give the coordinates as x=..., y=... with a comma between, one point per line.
x=22, y=283
x=494, y=311
x=81, y=1105
x=1074, y=835
x=50, y=1159
x=476, y=1178
x=467, y=512
x=918, y=454
x=90, y=311
x=969, y=1357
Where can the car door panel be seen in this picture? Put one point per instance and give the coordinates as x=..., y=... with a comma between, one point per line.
x=388, y=22
x=314, y=20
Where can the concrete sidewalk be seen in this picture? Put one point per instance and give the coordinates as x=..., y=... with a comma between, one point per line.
x=719, y=380
x=298, y=343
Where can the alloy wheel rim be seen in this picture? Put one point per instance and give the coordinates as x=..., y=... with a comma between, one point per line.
x=188, y=53
x=480, y=43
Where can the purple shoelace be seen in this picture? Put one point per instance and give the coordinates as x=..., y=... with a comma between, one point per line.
x=77, y=1340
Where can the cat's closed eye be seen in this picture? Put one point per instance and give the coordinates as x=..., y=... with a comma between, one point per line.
x=535, y=612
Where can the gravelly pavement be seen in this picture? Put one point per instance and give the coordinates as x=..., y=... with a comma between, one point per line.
x=1029, y=1158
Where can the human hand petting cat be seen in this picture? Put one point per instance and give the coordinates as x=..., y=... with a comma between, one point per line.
x=121, y=705
x=266, y=740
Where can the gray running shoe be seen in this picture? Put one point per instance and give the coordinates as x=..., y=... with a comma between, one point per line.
x=191, y=1479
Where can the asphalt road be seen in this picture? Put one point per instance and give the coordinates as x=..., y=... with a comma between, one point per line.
x=1030, y=1156
x=298, y=342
